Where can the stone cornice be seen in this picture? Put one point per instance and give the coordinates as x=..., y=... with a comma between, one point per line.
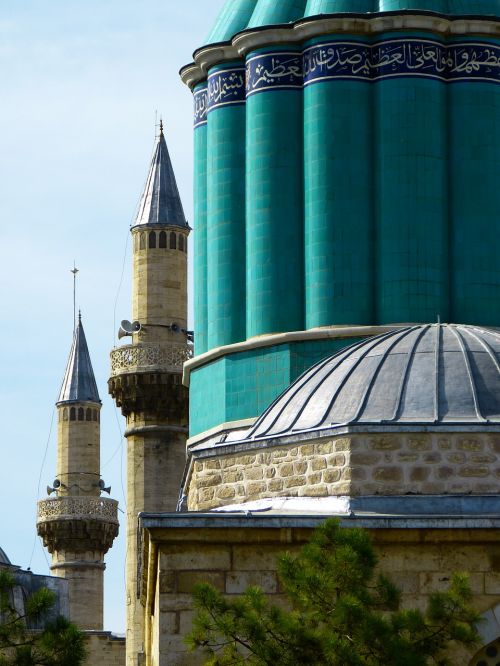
x=357, y=24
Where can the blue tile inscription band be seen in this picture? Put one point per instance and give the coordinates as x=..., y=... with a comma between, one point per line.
x=274, y=70
x=337, y=60
x=226, y=86
x=467, y=61
x=200, y=99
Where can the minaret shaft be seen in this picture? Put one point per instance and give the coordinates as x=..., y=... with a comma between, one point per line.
x=78, y=449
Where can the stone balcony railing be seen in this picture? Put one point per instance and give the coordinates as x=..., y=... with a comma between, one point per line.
x=144, y=357
x=101, y=509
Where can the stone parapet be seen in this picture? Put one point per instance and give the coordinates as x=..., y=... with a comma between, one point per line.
x=149, y=357
x=87, y=508
x=354, y=465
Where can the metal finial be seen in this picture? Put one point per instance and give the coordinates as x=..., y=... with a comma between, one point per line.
x=74, y=270
x=79, y=315
x=161, y=126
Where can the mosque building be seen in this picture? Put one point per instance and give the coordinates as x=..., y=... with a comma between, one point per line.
x=346, y=211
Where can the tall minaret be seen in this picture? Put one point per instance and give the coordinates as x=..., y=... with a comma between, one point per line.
x=78, y=526
x=146, y=375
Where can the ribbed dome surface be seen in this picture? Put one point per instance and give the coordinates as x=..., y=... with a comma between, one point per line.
x=237, y=15
x=438, y=374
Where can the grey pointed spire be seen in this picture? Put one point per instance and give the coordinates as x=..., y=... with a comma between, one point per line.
x=160, y=201
x=79, y=382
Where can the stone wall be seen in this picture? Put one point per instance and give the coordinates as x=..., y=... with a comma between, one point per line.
x=357, y=464
x=418, y=561
x=104, y=649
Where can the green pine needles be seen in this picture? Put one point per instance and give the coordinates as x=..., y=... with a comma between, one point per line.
x=342, y=614
x=59, y=643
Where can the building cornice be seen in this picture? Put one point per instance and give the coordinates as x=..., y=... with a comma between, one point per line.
x=353, y=24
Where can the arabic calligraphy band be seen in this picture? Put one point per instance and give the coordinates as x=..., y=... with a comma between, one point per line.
x=355, y=60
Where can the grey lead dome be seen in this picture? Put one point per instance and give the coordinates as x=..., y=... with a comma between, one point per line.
x=438, y=374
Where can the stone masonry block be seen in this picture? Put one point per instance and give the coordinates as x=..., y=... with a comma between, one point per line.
x=466, y=444
x=256, y=487
x=336, y=460
x=186, y=580
x=238, y=581
x=256, y=558
x=275, y=485
x=226, y=492
x=209, y=480
x=295, y=481
x=255, y=473
x=318, y=463
x=331, y=475
x=191, y=557
x=320, y=490
x=416, y=444
x=325, y=447
x=474, y=471
x=384, y=444
x=300, y=467
x=169, y=623
x=419, y=474
x=387, y=474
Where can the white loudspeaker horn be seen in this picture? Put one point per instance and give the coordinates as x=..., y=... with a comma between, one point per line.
x=128, y=328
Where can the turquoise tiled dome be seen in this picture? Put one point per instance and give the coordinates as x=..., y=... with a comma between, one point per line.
x=237, y=15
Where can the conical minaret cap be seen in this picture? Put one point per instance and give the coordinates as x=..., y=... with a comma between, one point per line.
x=160, y=201
x=79, y=382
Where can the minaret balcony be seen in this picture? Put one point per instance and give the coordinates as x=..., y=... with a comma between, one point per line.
x=149, y=357
x=77, y=523
x=101, y=509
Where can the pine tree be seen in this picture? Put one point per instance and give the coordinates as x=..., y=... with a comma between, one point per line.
x=341, y=614
x=59, y=643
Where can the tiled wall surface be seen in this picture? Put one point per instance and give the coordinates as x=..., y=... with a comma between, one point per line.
x=242, y=385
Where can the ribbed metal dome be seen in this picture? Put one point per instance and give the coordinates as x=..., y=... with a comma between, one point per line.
x=237, y=15
x=439, y=374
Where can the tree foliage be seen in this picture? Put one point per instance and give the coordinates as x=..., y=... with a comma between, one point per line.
x=59, y=643
x=342, y=613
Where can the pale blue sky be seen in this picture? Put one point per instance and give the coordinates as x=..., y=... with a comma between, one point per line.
x=80, y=82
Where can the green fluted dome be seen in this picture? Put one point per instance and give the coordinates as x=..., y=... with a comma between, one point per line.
x=237, y=15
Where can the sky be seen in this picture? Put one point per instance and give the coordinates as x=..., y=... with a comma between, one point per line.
x=80, y=83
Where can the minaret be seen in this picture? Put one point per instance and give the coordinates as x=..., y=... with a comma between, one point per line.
x=78, y=526
x=146, y=374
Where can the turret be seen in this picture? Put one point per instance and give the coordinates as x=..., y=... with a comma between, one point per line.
x=146, y=374
x=78, y=526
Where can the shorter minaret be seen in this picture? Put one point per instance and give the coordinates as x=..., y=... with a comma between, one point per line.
x=78, y=526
